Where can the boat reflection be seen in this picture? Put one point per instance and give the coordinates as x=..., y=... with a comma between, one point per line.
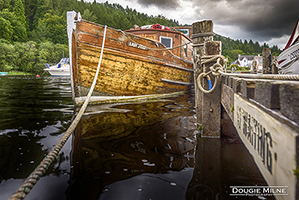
x=139, y=149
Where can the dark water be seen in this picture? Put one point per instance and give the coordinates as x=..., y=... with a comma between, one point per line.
x=122, y=151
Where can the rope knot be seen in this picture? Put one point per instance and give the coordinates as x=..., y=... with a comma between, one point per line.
x=215, y=69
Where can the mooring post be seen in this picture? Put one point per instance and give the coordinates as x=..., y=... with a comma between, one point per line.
x=208, y=107
x=274, y=65
x=201, y=32
x=267, y=69
x=207, y=169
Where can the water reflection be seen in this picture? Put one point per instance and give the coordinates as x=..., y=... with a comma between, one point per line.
x=152, y=151
x=34, y=113
x=136, y=151
x=24, y=101
x=118, y=151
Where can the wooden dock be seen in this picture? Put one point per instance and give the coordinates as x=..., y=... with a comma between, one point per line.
x=264, y=109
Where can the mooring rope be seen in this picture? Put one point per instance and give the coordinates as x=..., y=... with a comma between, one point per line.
x=265, y=76
x=28, y=184
x=216, y=70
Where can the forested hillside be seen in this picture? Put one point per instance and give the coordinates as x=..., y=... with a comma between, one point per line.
x=232, y=48
x=33, y=32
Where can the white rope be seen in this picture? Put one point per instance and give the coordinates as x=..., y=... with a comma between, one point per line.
x=216, y=70
x=28, y=184
x=264, y=76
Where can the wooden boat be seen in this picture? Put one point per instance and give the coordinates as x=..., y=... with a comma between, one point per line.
x=141, y=61
x=288, y=60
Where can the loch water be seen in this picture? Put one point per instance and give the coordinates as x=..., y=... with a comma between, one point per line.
x=122, y=151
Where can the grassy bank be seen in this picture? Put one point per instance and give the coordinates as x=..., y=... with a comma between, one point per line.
x=19, y=73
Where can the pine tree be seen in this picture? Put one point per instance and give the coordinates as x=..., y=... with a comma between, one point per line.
x=30, y=10
x=5, y=4
x=40, y=12
x=19, y=11
x=6, y=29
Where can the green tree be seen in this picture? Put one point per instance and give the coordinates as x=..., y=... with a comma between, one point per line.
x=7, y=56
x=51, y=28
x=40, y=12
x=231, y=48
x=46, y=53
x=6, y=29
x=49, y=53
x=19, y=11
x=275, y=50
x=88, y=15
x=30, y=10
x=26, y=56
x=19, y=30
x=257, y=47
x=5, y=4
x=233, y=54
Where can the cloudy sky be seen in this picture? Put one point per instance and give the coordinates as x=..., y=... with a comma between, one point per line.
x=270, y=21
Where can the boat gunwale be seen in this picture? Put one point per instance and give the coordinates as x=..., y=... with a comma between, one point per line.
x=131, y=30
x=138, y=36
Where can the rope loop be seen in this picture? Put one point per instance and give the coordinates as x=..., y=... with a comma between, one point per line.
x=200, y=77
x=215, y=70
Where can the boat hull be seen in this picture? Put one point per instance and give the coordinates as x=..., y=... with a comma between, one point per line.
x=288, y=60
x=131, y=65
x=59, y=71
x=3, y=73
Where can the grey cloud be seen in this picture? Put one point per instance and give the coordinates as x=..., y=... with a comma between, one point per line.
x=262, y=19
x=165, y=4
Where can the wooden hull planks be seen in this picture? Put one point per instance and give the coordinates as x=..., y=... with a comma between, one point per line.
x=131, y=65
x=121, y=75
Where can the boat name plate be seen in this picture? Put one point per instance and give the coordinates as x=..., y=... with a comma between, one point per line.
x=136, y=45
x=294, y=54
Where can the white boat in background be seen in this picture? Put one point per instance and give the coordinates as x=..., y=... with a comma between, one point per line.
x=3, y=73
x=60, y=69
x=288, y=60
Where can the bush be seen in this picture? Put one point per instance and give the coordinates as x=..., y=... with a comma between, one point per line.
x=25, y=56
x=29, y=56
x=237, y=67
x=7, y=56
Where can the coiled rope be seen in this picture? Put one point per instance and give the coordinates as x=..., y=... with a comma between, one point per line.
x=216, y=70
x=28, y=184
